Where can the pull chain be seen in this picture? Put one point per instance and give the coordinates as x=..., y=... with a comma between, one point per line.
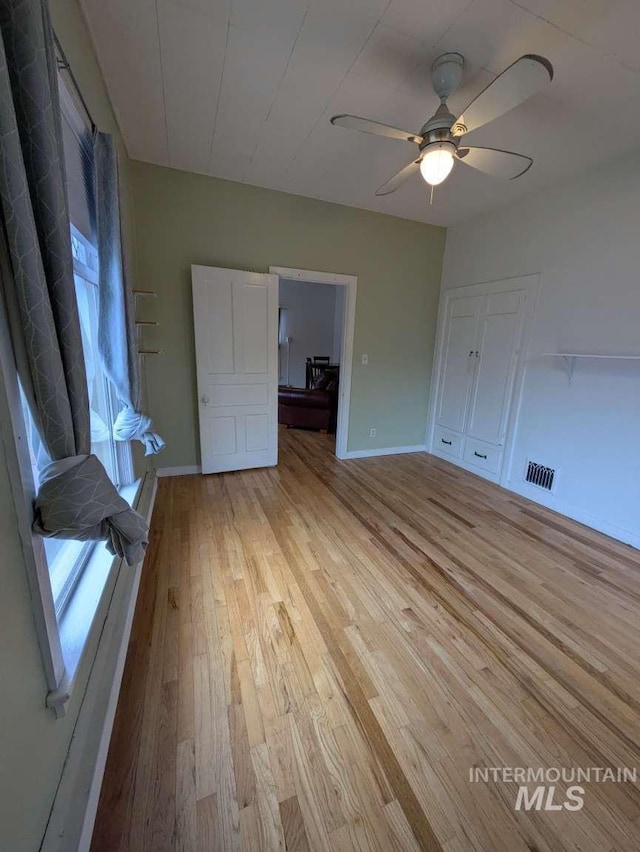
x=431, y=196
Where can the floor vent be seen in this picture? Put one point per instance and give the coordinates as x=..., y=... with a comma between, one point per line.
x=538, y=474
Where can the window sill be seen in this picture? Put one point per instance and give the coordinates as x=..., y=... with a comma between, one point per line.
x=86, y=611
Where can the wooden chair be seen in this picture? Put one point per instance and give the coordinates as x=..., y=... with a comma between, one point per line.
x=314, y=366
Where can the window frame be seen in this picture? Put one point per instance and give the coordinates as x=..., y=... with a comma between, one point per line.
x=63, y=641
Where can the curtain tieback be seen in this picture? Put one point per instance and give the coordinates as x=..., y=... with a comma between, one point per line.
x=77, y=500
x=133, y=425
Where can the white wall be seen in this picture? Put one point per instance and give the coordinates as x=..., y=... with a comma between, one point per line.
x=584, y=240
x=309, y=321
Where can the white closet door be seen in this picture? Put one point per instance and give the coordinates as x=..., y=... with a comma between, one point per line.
x=458, y=361
x=498, y=342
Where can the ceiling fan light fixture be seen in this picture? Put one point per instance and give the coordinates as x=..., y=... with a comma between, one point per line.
x=437, y=163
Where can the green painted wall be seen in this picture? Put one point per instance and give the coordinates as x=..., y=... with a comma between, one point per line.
x=185, y=219
x=33, y=744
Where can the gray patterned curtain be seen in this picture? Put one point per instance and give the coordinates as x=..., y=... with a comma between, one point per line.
x=76, y=498
x=116, y=331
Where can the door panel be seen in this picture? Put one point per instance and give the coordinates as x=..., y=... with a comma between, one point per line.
x=498, y=342
x=457, y=363
x=257, y=432
x=235, y=317
x=222, y=435
x=216, y=350
x=253, y=394
x=255, y=330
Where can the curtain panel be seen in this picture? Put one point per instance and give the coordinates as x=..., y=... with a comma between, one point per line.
x=76, y=499
x=117, y=339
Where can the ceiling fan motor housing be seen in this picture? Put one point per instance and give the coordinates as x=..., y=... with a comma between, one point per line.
x=442, y=119
x=437, y=131
x=446, y=74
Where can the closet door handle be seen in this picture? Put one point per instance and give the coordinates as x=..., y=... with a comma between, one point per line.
x=480, y=455
x=446, y=442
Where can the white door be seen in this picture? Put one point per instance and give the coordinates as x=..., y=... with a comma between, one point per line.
x=499, y=334
x=236, y=320
x=458, y=361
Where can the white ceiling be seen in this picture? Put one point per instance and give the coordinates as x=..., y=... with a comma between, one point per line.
x=244, y=89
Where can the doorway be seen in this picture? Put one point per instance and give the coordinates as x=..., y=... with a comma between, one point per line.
x=236, y=343
x=317, y=313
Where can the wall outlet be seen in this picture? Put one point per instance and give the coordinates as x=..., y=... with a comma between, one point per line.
x=372, y=432
x=365, y=360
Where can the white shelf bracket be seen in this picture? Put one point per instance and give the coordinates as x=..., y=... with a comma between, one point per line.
x=569, y=359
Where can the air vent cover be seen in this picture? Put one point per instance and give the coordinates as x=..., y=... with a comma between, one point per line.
x=538, y=474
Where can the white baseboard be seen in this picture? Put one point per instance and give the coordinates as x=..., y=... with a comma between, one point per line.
x=384, y=451
x=620, y=533
x=74, y=810
x=185, y=470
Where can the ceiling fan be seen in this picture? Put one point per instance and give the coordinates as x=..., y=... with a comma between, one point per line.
x=439, y=139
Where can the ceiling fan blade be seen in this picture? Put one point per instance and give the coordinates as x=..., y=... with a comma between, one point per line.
x=365, y=125
x=500, y=164
x=399, y=178
x=518, y=82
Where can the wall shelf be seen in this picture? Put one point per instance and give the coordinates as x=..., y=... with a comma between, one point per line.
x=570, y=359
x=141, y=324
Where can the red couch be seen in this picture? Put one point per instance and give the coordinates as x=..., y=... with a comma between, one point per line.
x=307, y=408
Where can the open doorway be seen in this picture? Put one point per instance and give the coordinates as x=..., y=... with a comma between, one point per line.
x=315, y=343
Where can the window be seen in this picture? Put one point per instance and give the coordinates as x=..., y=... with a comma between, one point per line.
x=66, y=560
x=71, y=582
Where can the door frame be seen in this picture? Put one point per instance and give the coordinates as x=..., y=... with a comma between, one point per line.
x=530, y=284
x=350, y=282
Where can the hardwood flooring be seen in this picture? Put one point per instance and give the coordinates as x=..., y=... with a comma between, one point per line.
x=321, y=651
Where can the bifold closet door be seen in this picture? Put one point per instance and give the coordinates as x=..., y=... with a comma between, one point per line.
x=499, y=334
x=458, y=361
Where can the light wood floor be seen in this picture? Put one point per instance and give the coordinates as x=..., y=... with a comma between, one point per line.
x=322, y=650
